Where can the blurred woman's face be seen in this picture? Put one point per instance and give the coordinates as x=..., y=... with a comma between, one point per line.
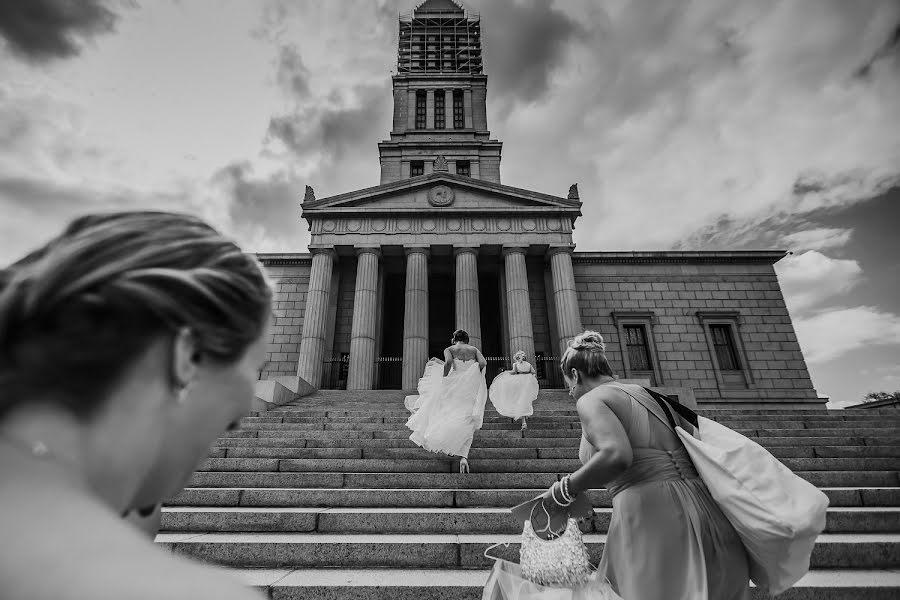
x=217, y=398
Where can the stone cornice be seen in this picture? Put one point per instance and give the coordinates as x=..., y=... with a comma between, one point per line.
x=768, y=257
x=332, y=203
x=284, y=259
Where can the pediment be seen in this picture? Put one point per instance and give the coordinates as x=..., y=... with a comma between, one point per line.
x=441, y=192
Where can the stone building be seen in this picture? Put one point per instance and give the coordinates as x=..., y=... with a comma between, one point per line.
x=442, y=244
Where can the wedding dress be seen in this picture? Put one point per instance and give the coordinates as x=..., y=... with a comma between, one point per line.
x=513, y=394
x=449, y=409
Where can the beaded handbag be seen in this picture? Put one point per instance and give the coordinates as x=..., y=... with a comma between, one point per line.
x=553, y=569
x=562, y=560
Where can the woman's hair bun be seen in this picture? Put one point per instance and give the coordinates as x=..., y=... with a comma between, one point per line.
x=589, y=340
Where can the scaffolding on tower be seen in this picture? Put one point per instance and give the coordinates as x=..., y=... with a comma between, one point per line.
x=439, y=37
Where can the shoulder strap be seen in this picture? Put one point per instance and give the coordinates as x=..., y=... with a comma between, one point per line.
x=683, y=411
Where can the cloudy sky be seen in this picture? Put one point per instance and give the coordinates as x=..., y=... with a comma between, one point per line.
x=692, y=125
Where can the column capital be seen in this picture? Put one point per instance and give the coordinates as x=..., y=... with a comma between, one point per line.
x=368, y=250
x=328, y=250
x=407, y=250
x=567, y=248
x=513, y=249
x=457, y=250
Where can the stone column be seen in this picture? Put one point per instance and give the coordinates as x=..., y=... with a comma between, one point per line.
x=565, y=297
x=468, y=307
x=521, y=334
x=315, y=317
x=415, y=317
x=361, y=375
x=429, y=109
x=448, y=109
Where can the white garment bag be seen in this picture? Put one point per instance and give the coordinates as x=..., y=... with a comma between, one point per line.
x=777, y=514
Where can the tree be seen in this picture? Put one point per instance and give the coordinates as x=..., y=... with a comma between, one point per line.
x=879, y=396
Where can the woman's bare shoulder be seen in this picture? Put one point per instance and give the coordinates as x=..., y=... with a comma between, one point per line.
x=610, y=396
x=97, y=555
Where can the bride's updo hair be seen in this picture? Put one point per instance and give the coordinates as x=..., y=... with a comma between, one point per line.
x=77, y=312
x=461, y=335
x=520, y=353
x=586, y=354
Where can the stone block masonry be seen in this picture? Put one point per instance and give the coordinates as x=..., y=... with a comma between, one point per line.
x=291, y=283
x=677, y=303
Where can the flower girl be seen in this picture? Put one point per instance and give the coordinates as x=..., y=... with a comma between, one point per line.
x=513, y=392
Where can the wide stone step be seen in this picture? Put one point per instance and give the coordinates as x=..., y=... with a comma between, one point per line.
x=568, y=451
x=468, y=584
x=438, y=498
x=474, y=480
x=277, y=424
x=274, y=550
x=519, y=442
x=439, y=520
x=440, y=464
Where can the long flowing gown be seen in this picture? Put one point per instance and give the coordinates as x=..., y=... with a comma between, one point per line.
x=668, y=539
x=513, y=394
x=450, y=410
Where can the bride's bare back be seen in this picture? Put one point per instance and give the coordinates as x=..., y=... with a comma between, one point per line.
x=463, y=352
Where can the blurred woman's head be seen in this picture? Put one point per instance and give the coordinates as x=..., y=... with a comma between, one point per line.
x=121, y=322
x=584, y=361
x=520, y=355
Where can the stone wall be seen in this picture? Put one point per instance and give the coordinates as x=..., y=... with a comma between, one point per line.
x=283, y=349
x=671, y=296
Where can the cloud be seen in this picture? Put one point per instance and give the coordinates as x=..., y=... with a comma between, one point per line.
x=264, y=212
x=335, y=140
x=831, y=334
x=43, y=30
x=708, y=113
x=292, y=74
x=811, y=279
x=821, y=238
x=524, y=44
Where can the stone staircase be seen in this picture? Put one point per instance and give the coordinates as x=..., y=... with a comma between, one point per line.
x=328, y=499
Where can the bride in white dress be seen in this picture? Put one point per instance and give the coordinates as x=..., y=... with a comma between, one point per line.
x=450, y=405
x=513, y=392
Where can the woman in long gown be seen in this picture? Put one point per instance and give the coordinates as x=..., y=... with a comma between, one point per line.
x=450, y=407
x=513, y=392
x=667, y=539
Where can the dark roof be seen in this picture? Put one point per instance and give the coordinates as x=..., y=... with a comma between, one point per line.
x=430, y=6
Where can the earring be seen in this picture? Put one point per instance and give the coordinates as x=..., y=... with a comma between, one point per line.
x=181, y=396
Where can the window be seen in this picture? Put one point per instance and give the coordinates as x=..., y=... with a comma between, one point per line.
x=416, y=168
x=639, y=357
x=462, y=168
x=636, y=344
x=723, y=343
x=421, y=110
x=723, y=338
x=458, y=111
x=440, y=121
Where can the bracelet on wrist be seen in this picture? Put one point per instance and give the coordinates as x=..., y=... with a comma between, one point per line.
x=553, y=489
x=564, y=489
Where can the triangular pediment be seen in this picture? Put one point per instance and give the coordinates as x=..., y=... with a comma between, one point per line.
x=441, y=191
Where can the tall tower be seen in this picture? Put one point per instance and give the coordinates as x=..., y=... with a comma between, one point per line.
x=440, y=98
